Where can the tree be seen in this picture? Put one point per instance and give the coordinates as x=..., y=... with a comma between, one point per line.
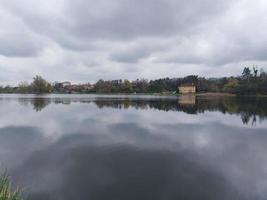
x=255, y=71
x=127, y=86
x=24, y=87
x=246, y=74
x=191, y=79
x=140, y=86
x=40, y=85
x=231, y=86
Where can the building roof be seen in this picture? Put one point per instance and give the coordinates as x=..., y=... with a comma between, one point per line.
x=187, y=85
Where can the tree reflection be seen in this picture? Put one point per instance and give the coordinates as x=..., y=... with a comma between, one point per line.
x=250, y=109
x=38, y=104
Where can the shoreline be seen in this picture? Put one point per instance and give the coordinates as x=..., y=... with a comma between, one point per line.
x=216, y=94
x=168, y=94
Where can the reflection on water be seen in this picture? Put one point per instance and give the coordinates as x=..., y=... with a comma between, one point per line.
x=120, y=147
x=251, y=110
x=189, y=100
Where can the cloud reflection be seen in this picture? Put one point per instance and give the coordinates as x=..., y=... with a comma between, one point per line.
x=79, y=151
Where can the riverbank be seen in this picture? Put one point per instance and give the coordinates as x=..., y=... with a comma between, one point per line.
x=168, y=94
x=215, y=94
x=211, y=94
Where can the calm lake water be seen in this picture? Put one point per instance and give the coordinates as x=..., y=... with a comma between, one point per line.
x=80, y=147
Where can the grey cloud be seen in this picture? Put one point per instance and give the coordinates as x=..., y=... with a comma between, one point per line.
x=79, y=22
x=16, y=39
x=90, y=39
x=130, y=56
x=130, y=19
x=216, y=51
x=134, y=53
x=18, y=47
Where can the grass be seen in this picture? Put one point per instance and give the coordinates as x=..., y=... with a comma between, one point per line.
x=6, y=192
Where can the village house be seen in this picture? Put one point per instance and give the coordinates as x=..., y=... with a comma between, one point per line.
x=187, y=88
x=76, y=88
x=66, y=83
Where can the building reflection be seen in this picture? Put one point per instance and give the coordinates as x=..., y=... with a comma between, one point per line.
x=187, y=100
x=251, y=110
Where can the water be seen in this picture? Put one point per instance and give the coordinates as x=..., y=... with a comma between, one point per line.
x=66, y=147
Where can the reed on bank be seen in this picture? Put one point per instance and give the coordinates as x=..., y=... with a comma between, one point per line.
x=6, y=191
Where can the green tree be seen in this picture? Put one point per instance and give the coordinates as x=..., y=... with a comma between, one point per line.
x=40, y=85
x=24, y=87
x=127, y=86
x=231, y=86
x=246, y=74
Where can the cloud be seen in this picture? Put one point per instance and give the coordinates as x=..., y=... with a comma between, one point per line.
x=16, y=39
x=132, y=52
x=85, y=40
x=74, y=23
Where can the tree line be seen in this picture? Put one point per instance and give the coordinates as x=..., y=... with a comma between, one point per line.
x=251, y=81
x=38, y=86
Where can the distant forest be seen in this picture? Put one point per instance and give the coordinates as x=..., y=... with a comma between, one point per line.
x=251, y=81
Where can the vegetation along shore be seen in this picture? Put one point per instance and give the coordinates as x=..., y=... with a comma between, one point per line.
x=6, y=191
x=251, y=82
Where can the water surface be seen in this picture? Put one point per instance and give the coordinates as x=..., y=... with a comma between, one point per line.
x=65, y=147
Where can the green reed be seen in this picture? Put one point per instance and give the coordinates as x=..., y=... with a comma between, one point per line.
x=6, y=191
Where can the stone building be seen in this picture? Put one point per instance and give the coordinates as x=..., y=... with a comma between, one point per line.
x=187, y=88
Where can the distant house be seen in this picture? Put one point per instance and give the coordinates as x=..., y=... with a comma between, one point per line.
x=76, y=88
x=187, y=88
x=66, y=83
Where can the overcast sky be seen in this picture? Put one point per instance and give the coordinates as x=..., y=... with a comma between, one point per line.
x=85, y=40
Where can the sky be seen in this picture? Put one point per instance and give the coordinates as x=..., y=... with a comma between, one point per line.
x=85, y=40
